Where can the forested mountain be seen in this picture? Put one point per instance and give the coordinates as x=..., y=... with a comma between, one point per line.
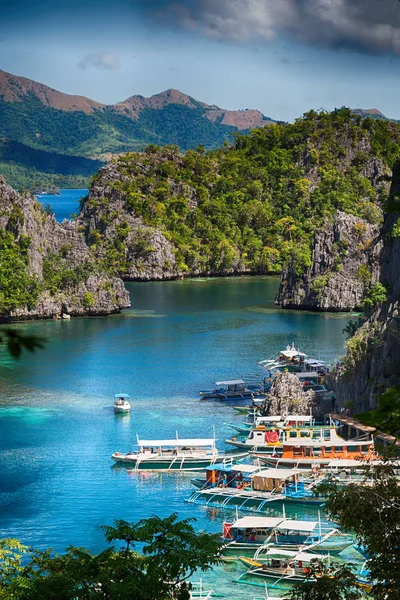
x=39, y=117
x=253, y=207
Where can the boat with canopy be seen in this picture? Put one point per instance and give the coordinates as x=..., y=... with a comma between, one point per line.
x=310, y=453
x=248, y=533
x=233, y=389
x=256, y=490
x=121, y=403
x=285, y=565
x=182, y=454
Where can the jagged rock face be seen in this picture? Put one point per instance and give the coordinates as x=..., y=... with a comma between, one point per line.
x=372, y=362
x=22, y=215
x=106, y=296
x=286, y=397
x=144, y=253
x=345, y=258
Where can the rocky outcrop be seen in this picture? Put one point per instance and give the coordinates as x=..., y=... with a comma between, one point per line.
x=345, y=261
x=121, y=239
x=81, y=288
x=372, y=361
x=286, y=397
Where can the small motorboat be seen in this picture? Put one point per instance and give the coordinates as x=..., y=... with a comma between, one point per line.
x=121, y=403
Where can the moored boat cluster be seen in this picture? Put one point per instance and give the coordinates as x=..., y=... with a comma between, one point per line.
x=277, y=463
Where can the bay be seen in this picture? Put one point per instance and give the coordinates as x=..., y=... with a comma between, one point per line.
x=64, y=204
x=57, y=427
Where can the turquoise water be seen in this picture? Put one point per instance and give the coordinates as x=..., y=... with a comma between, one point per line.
x=63, y=204
x=58, y=430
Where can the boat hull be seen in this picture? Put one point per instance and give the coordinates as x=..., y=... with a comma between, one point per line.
x=263, y=570
x=176, y=463
x=119, y=410
x=325, y=547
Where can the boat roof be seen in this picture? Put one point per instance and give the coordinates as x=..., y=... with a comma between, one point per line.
x=307, y=375
x=346, y=462
x=299, y=418
x=296, y=525
x=277, y=473
x=230, y=382
x=230, y=468
x=291, y=353
x=269, y=419
x=177, y=443
x=121, y=396
x=306, y=556
x=316, y=363
x=254, y=522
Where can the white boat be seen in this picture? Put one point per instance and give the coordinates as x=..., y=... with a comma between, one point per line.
x=273, y=422
x=318, y=453
x=121, y=403
x=285, y=565
x=271, y=439
x=179, y=454
x=293, y=359
x=248, y=533
x=233, y=389
x=259, y=489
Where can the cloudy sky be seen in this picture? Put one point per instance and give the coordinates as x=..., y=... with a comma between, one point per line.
x=280, y=56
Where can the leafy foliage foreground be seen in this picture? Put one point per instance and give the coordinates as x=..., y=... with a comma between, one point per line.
x=152, y=560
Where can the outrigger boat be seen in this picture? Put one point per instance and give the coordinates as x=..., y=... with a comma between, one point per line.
x=294, y=360
x=272, y=422
x=285, y=565
x=310, y=453
x=257, y=490
x=176, y=454
x=233, y=389
x=225, y=475
x=121, y=403
x=268, y=439
x=248, y=533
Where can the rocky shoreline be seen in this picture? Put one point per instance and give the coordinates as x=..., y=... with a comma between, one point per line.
x=58, y=263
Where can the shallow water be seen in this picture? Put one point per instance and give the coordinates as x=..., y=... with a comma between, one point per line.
x=57, y=427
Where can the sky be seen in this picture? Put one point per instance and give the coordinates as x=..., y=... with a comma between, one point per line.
x=282, y=57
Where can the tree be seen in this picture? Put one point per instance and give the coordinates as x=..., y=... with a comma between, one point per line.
x=171, y=552
x=387, y=416
x=373, y=512
x=327, y=582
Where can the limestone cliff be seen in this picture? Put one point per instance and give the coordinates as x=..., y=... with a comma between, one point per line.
x=58, y=264
x=120, y=239
x=345, y=261
x=372, y=362
x=286, y=397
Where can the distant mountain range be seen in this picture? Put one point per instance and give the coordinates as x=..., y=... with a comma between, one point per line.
x=51, y=138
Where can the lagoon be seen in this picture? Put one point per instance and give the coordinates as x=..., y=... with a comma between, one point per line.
x=57, y=426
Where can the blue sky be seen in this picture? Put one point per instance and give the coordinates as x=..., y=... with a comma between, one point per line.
x=282, y=57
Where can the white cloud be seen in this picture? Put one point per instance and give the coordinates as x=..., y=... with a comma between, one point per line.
x=100, y=60
x=370, y=26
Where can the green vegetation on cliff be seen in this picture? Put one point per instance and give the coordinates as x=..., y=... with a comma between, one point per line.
x=17, y=287
x=255, y=206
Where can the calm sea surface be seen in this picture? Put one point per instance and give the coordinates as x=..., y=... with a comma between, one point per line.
x=63, y=204
x=57, y=427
